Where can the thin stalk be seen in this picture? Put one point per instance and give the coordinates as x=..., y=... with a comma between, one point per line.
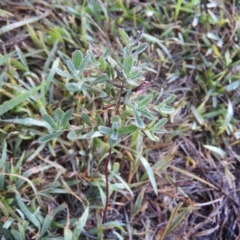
x=109, y=157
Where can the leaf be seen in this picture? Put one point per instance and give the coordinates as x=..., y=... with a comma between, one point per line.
x=124, y=36
x=31, y=217
x=145, y=101
x=101, y=78
x=71, y=67
x=177, y=9
x=80, y=224
x=10, y=104
x=21, y=57
x=67, y=234
x=160, y=123
x=46, y=224
x=127, y=66
x=58, y=114
x=28, y=122
x=186, y=173
x=138, y=120
x=156, y=40
x=49, y=137
x=170, y=99
x=229, y=114
x=84, y=64
x=5, y=58
x=74, y=87
x=140, y=48
x=166, y=110
x=151, y=135
x=64, y=74
x=17, y=24
x=77, y=58
x=216, y=150
x=72, y=135
x=86, y=119
x=197, y=115
x=150, y=173
x=66, y=117
x=146, y=114
x=127, y=129
x=3, y=160
x=49, y=120
x=115, y=119
x=114, y=135
x=112, y=142
x=105, y=130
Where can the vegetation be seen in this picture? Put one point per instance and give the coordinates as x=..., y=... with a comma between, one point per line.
x=119, y=120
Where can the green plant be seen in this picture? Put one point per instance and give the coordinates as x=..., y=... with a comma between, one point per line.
x=119, y=84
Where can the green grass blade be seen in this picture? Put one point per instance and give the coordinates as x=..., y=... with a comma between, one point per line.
x=25, y=210
x=80, y=224
x=150, y=173
x=18, y=24
x=10, y=104
x=2, y=163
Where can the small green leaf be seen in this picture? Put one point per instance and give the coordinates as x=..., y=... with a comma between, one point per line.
x=170, y=99
x=46, y=224
x=107, y=53
x=114, y=135
x=86, y=119
x=84, y=64
x=63, y=74
x=100, y=79
x=197, y=115
x=216, y=150
x=145, y=101
x=140, y=48
x=49, y=120
x=151, y=135
x=28, y=122
x=160, y=123
x=49, y=137
x=166, y=110
x=66, y=117
x=138, y=120
x=127, y=129
x=112, y=142
x=80, y=224
x=5, y=57
x=105, y=130
x=3, y=160
x=21, y=57
x=58, y=114
x=77, y=58
x=120, y=46
x=136, y=74
x=115, y=119
x=31, y=217
x=71, y=67
x=127, y=66
x=72, y=135
x=8, y=105
x=74, y=87
x=124, y=36
x=67, y=234
x=103, y=64
x=150, y=173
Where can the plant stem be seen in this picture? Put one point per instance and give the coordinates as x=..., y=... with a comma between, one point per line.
x=109, y=157
x=107, y=183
